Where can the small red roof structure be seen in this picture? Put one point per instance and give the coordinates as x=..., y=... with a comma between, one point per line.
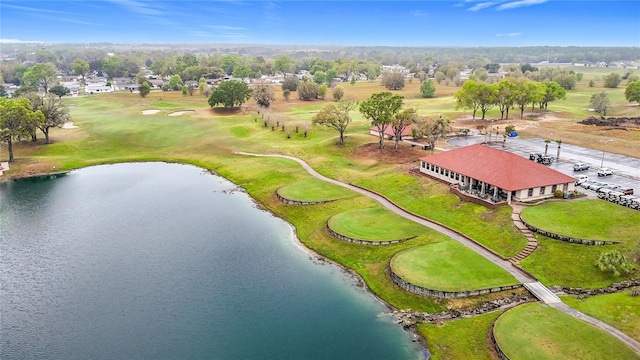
x=389, y=131
x=500, y=168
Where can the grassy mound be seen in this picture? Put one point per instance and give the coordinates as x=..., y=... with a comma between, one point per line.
x=314, y=190
x=584, y=219
x=374, y=224
x=532, y=331
x=448, y=266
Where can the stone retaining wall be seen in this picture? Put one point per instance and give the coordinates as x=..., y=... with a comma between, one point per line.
x=613, y=288
x=567, y=238
x=362, y=242
x=416, y=289
x=494, y=343
x=296, y=202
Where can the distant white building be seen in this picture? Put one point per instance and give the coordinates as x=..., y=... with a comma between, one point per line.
x=98, y=87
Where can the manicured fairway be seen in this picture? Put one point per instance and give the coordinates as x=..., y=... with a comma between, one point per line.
x=374, y=224
x=448, y=266
x=619, y=310
x=314, y=190
x=586, y=219
x=537, y=332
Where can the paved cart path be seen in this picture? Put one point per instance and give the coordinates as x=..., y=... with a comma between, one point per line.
x=535, y=287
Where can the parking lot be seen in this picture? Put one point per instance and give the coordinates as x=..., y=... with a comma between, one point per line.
x=626, y=170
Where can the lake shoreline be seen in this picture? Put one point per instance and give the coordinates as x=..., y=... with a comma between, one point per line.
x=359, y=282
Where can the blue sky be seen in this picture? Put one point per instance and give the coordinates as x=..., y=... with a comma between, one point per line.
x=389, y=23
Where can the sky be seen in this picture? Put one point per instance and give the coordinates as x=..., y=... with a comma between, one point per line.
x=461, y=23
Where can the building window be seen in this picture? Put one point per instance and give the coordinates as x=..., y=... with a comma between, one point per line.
x=530, y=192
x=446, y=173
x=542, y=190
x=553, y=188
x=451, y=174
x=457, y=176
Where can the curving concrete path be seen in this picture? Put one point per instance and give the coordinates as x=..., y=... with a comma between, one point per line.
x=535, y=287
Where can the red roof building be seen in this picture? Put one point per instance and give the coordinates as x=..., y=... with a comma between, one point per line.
x=388, y=132
x=496, y=172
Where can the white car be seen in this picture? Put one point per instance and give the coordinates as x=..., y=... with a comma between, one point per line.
x=605, y=172
x=581, y=178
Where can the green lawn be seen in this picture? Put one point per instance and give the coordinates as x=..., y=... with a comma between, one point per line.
x=460, y=339
x=619, y=310
x=492, y=228
x=374, y=224
x=533, y=331
x=584, y=219
x=448, y=266
x=314, y=190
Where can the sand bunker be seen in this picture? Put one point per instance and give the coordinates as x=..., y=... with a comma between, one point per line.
x=68, y=125
x=178, y=113
x=150, y=112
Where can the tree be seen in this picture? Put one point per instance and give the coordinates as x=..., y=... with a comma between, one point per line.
x=283, y=64
x=393, y=80
x=202, y=85
x=614, y=262
x=428, y=89
x=286, y=94
x=319, y=77
x=505, y=97
x=553, y=91
x=308, y=91
x=337, y=93
x=401, y=121
x=40, y=74
x=184, y=90
x=486, y=97
x=55, y=113
x=290, y=83
x=230, y=93
x=353, y=79
x=80, y=67
x=329, y=76
x=600, y=103
x=467, y=97
x=144, y=89
x=612, y=80
x=141, y=77
x=632, y=92
x=175, y=82
x=381, y=108
x=336, y=116
x=322, y=90
x=59, y=91
x=432, y=129
x=113, y=66
x=263, y=94
x=16, y=116
x=567, y=81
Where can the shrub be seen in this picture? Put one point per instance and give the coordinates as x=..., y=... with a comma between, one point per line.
x=614, y=262
x=558, y=193
x=308, y=91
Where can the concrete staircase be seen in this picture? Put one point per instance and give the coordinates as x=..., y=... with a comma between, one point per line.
x=532, y=243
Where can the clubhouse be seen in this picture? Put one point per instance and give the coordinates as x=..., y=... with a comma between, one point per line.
x=495, y=175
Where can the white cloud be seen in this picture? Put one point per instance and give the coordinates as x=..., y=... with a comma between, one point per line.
x=224, y=27
x=509, y=34
x=520, y=3
x=139, y=7
x=482, y=5
x=419, y=13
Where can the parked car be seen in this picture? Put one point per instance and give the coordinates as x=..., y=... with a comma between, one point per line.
x=580, y=167
x=626, y=190
x=605, y=172
x=611, y=187
x=585, y=184
x=596, y=185
x=581, y=179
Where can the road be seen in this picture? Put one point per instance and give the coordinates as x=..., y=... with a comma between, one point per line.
x=536, y=288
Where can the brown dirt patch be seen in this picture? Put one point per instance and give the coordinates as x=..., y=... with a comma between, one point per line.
x=369, y=153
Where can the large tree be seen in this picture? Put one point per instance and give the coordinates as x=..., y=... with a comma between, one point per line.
x=553, y=91
x=55, y=113
x=486, y=97
x=467, y=97
x=113, y=66
x=263, y=94
x=381, y=108
x=612, y=80
x=40, y=74
x=80, y=67
x=393, y=80
x=336, y=116
x=283, y=64
x=432, y=129
x=428, y=89
x=505, y=97
x=290, y=83
x=632, y=92
x=144, y=89
x=308, y=90
x=59, y=91
x=401, y=121
x=230, y=93
x=16, y=117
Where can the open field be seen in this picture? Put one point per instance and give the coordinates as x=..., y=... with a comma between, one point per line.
x=619, y=310
x=448, y=266
x=112, y=128
x=533, y=331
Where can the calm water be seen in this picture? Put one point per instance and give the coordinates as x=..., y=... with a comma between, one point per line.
x=163, y=261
